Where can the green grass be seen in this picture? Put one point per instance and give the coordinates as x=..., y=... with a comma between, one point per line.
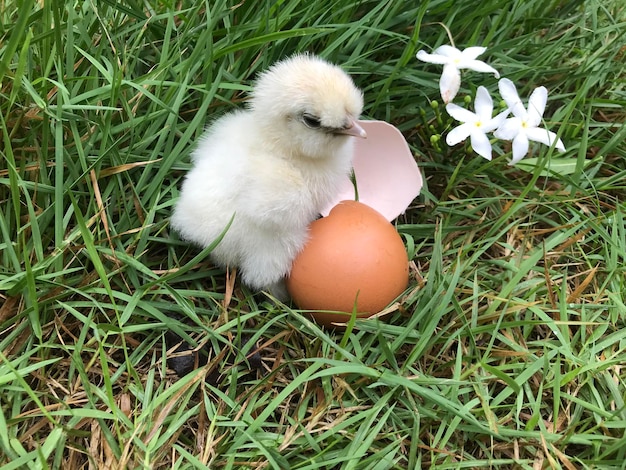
x=508, y=349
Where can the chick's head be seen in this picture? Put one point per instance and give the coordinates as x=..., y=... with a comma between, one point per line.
x=307, y=107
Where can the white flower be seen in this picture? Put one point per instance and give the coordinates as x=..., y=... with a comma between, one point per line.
x=524, y=125
x=476, y=125
x=453, y=61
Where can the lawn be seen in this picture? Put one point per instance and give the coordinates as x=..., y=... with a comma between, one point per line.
x=508, y=349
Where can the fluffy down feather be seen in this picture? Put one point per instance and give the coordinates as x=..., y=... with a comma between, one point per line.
x=271, y=168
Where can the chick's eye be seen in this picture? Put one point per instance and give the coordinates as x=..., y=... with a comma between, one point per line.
x=312, y=122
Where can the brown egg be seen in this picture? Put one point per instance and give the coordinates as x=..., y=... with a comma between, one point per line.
x=354, y=256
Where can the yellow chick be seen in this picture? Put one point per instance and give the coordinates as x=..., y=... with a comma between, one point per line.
x=271, y=168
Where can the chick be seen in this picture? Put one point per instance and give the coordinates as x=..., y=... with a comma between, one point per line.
x=271, y=168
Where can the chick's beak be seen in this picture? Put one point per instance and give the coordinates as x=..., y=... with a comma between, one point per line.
x=353, y=129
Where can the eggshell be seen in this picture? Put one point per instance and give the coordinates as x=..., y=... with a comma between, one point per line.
x=353, y=256
x=386, y=174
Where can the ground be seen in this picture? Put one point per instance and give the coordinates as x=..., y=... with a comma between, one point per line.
x=506, y=350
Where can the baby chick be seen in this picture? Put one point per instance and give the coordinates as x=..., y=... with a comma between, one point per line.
x=271, y=168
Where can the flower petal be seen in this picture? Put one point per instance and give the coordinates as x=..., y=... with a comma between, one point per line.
x=479, y=66
x=560, y=146
x=481, y=144
x=520, y=148
x=496, y=122
x=461, y=114
x=483, y=104
x=537, y=105
x=449, y=83
x=509, y=129
x=544, y=136
x=459, y=134
x=432, y=58
x=470, y=53
x=510, y=96
x=448, y=51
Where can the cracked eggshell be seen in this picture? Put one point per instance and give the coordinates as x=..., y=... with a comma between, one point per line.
x=386, y=174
